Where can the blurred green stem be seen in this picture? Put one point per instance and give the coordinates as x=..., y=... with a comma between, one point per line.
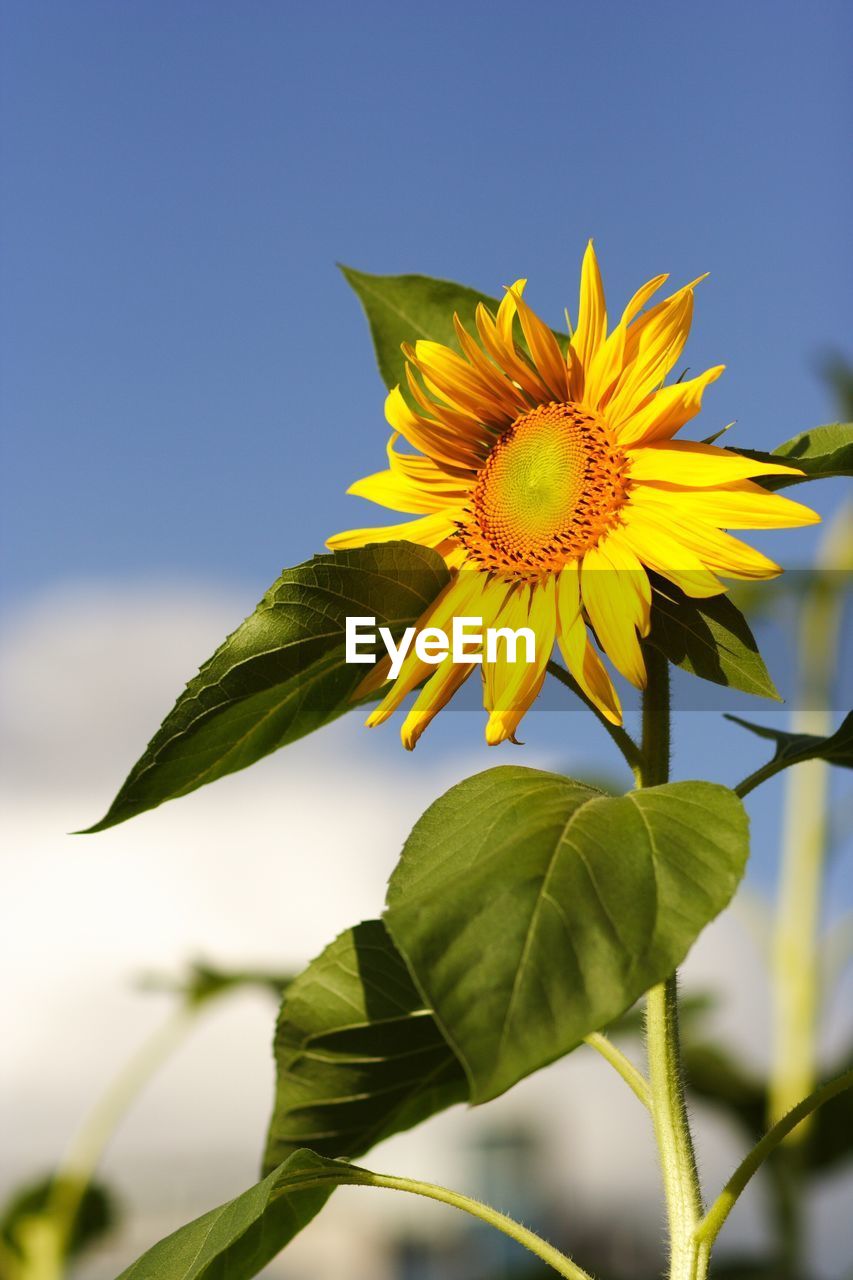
x=709, y=1228
x=50, y=1232
x=666, y=1076
x=796, y=953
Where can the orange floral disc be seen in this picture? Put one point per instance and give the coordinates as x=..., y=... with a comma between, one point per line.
x=551, y=486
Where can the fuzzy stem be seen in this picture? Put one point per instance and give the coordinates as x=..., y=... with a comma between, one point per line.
x=709, y=1228
x=666, y=1077
x=621, y=1063
x=529, y=1239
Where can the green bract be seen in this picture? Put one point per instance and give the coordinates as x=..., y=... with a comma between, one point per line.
x=820, y=453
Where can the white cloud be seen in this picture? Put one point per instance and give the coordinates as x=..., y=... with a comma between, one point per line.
x=261, y=869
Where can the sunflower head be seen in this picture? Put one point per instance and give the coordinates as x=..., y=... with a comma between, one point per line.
x=551, y=480
x=550, y=488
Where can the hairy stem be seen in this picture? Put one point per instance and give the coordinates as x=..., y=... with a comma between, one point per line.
x=666, y=1077
x=529, y=1239
x=618, y=1060
x=709, y=1228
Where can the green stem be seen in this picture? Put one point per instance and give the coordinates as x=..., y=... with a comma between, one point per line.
x=626, y=744
x=666, y=1077
x=617, y=1059
x=529, y=1239
x=709, y=1228
x=672, y=1129
x=755, y=779
x=796, y=953
x=75, y=1173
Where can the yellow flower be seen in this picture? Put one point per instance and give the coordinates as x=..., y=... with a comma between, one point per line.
x=551, y=483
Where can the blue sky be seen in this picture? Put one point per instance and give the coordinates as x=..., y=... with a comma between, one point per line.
x=188, y=385
x=188, y=382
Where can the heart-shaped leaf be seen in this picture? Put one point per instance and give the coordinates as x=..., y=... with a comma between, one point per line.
x=359, y=1057
x=533, y=910
x=282, y=673
x=820, y=452
x=709, y=638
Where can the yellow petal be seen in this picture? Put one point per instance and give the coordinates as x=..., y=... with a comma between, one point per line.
x=456, y=448
x=544, y=349
x=591, y=328
x=638, y=329
x=688, y=463
x=657, y=545
x=641, y=297
x=719, y=551
x=510, y=688
x=413, y=484
x=452, y=421
x=446, y=374
x=605, y=368
x=428, y=531
x=507, y=308
x=425, y=471
x=452, y=600
x=578, y=653
x=742, y=505
x=617, y=596
x=657, y=349
x=496, y=337
x=501, y=387
x=666, y=411
x=609, y=360
x=436, y=693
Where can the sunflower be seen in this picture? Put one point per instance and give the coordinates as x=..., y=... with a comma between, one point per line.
x=552, y=484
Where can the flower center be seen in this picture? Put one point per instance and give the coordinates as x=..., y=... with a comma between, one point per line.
x=551, y=486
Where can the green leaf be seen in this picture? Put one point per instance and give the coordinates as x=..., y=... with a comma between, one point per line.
x=710, y=639
x=795, y=748
x=532, y=909
x=820, y=452
x=238, y=1239
x=405, y=308
x=42, y=1206
x=282, y=673
x=359, y=1057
